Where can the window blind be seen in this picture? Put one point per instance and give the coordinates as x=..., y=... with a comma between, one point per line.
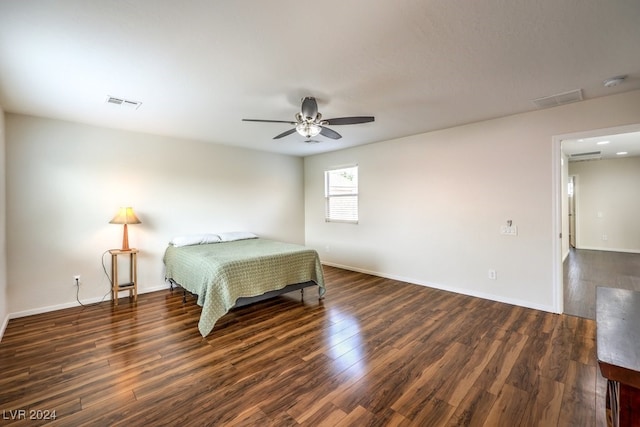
x=341, y=194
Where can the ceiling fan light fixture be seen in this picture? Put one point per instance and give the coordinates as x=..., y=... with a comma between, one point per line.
x=307, y=129
x=309, y=122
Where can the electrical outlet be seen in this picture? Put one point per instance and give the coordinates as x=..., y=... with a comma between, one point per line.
x=76, y=279
x=492, y=274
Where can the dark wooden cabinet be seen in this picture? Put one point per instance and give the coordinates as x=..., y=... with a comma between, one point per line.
x=618, y=340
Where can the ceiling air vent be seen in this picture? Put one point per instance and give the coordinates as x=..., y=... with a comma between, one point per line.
x=112, y=100
x=559, y=99
x=125, y=103
x=591, y=155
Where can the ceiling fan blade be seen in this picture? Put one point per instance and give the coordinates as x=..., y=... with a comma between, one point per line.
x=269, y=121
x=283, y=134
x=309, y=108
x=329, y=133
x=349, y=120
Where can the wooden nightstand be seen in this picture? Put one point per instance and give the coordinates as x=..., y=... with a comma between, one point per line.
x=132, y=284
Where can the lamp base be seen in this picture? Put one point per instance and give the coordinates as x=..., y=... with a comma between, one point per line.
x=125, y=239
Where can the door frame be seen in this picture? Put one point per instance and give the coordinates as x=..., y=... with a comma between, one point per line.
x=558, y=200
x=573, y=209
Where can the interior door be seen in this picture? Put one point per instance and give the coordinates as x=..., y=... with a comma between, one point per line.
x=571, y=191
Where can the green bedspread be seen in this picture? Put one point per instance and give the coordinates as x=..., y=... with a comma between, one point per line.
x=220, y=273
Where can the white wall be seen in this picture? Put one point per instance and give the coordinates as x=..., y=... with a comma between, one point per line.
x=608, y=204
x=66, y=181
x=431, y=205
x=4, y=308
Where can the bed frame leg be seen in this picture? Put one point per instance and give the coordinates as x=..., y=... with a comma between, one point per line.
x=302, y=294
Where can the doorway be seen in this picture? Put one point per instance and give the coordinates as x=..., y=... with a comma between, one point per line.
x=567, y=224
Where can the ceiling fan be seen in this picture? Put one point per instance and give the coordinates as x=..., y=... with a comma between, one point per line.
x=309, y=122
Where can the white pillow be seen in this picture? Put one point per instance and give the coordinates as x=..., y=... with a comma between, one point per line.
x=236, y=235
x=195, y=239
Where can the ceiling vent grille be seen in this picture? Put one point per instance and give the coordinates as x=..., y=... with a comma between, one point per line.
x=591, y=155
x=559, y=99
x=124, y=103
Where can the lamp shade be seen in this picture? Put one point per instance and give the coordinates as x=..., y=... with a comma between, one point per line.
x=125, y=216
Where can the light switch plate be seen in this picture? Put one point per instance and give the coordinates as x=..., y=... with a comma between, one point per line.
x=509, y=230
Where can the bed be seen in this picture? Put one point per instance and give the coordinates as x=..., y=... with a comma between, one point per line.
x=229, y=270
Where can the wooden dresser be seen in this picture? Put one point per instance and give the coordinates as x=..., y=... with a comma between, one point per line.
x=618, y=340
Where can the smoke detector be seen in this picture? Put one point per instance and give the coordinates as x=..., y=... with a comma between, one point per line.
x=614, y=81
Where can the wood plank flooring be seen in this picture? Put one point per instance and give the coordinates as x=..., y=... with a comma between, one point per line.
x=584, y=270
x=375, y=352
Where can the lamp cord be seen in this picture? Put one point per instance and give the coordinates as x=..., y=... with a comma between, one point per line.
x=104, y=268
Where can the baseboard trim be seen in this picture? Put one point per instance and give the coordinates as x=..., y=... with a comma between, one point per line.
x=463, y=291
x=56, y=307
x=595, y=248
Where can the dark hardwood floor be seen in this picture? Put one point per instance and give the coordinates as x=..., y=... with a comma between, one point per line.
x=584, y=270
x=375, y=352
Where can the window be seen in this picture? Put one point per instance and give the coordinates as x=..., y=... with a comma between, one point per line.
x=341, y=194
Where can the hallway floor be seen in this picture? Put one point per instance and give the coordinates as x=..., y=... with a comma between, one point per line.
x=584, y=270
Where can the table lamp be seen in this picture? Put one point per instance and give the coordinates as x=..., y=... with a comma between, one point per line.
x=125, y=216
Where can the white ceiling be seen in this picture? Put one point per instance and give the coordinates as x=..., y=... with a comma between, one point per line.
x=603, y=147
x=199, y=67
